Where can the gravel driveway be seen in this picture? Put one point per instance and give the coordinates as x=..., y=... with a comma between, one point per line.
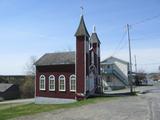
x=142, y=107
x=127, y=108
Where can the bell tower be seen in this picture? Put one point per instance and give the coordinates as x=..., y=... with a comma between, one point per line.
x=95, y=44
x=82, y=58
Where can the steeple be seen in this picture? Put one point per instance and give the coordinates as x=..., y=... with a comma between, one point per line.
x=94, y=37
x=82, y=30
x=94, y=29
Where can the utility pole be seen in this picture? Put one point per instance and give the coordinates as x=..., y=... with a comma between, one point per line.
x=135, y=63
x=130, y=62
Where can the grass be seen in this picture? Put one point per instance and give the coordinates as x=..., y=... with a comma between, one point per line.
x=7, y=105
x=28, y=109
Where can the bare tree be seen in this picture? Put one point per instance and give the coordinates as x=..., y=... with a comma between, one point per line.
x=30, y=67
x=27, y=88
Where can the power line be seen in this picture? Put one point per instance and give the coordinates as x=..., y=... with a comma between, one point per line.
x=146, y=20
x=150, y=64
x=118, y=47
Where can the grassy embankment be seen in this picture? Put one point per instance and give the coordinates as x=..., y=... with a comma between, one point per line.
x=8, y=111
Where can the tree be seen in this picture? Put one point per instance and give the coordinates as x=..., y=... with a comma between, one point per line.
x=30, y=67
x=27, y=88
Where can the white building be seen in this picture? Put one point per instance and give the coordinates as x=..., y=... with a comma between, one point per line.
x=114, y=73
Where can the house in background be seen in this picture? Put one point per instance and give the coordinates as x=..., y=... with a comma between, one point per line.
x=69, y=76
x=9, y=91
x=114, y=73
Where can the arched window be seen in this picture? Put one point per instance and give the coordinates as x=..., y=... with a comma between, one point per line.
x=51, y=83
x=42, y=81
x=72, y=80
x=62, y=83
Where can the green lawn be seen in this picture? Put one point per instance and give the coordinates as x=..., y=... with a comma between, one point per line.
x=5, y=106
x=27, y=109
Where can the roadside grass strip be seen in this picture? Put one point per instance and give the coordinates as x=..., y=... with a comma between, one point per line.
x=30, y=109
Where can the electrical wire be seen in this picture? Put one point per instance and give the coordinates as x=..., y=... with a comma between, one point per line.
x=118, y=47
x=146, y=20
x=150, y=64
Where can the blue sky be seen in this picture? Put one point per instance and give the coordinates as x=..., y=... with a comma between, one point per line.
x=34, y=27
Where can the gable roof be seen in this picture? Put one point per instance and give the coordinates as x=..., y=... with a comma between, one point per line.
x=94, y=38
x=4, y=86
x=56, y=59
x=114, y=58
x=82, y=30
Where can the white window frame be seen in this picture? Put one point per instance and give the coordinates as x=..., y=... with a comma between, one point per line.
x=64, y=83
x=44, y=82
x=92, y=57
x=50, y=79
x=70, y=79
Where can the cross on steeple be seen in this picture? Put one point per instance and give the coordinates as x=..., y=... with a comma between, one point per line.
x=82, y=8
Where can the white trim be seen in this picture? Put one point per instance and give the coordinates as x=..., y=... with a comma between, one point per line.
x=64, y=83
x=92, y=57
x=53, y=82
x=70, y=83
x=43, y=83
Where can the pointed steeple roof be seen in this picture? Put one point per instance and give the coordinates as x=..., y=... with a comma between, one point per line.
x=82, y=30
x=94, y=37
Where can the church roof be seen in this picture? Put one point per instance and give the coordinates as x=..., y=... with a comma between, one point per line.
x=58, y=58
x=82, y=30
x=94, y=38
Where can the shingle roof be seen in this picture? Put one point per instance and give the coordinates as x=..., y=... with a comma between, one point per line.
x=82, y=30
x=94, y=38
x=56, y=59
x=4, y=86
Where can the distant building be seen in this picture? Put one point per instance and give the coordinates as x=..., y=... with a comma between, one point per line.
x=69, y=76
x=114, y=73
x=9, y=91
